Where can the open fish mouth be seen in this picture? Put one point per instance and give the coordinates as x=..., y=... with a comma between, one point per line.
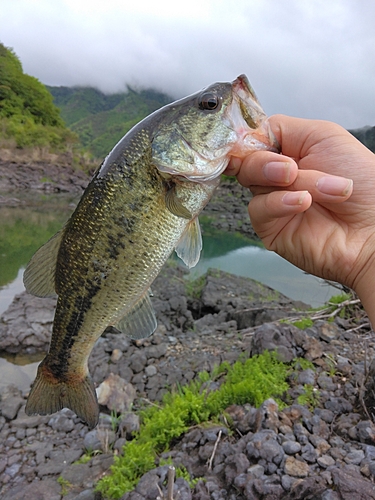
x=258, y=134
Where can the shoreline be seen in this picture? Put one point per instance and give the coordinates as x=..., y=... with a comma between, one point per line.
x=325, y=452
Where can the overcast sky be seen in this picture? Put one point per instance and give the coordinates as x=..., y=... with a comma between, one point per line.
x=307, y=58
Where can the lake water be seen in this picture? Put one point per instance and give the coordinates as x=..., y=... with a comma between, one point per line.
x=24, y=228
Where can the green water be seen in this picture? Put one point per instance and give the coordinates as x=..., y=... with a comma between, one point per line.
x=24, y=228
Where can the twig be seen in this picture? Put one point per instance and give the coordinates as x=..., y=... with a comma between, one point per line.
x=214, y=450
x=171, y=476
x=354, y=329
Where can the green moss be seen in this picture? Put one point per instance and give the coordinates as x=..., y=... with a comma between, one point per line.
x=303, y=323
x=250, y=381
x=338, y=299
x=65, y=486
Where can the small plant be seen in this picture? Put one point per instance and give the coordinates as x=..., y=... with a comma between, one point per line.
x=65, y=485
x=310, y=397
x=194, y=287
x=84, y=459
x=302, y=364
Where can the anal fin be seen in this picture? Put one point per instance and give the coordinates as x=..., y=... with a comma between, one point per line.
x=39, y=275
x=140, y=321
x=190, y=244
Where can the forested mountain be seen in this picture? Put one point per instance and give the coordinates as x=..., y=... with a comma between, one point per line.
x=100, y=120
x=27, y=114
x=366, y=135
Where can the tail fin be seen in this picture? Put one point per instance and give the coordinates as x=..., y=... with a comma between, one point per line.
x=49, y=395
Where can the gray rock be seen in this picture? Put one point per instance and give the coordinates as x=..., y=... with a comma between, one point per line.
x=92, y=441
x=354, y=457
x=350, y=485
x=330, y=495
x=13, y=469
x=307, y=488
x=156, y=351
x=129, y=424
x=138, y=361
x=10, y=405
x=62, y=421
x=326, y=461
x=48, y=489
x=291, y=447
x=181, y=489
x=306, y=377
x=151, y=370
x=287, y=482
x=329, y=331
x=26, y=422
x=255, y=471
x=326, y=382
x=338, y=405
x=235, y=465
x=366, y=431
x=264, y=444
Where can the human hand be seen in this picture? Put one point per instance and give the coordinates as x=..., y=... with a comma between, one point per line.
x=315, y=204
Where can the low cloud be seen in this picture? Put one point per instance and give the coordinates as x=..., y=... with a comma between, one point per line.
x=308, y=59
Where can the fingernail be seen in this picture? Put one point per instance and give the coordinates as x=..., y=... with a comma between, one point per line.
x=234, y=164
x=277, y=171
x=335, y=186
x=294, y=197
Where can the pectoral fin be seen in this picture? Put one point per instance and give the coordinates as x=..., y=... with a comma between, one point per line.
x=190, y=245
x=39, y=275
x=140, y=321
x=175, y=206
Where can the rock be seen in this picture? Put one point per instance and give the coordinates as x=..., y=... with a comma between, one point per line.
x=326, y=461
x=306, y=377
x=48, y=489
x=296, y=468
x=354, y=457
x=151, y=370
x=10, y=402
x=268, y=414
x=116, y=394
x=291, y=447
x=329, y=331
x=264, y=444
x=326, y=382
x=62, y=421
x=99, y=439
x=308, y=488
x=235, y=465
x=27, y=324
x=129, y=424
x=116, y=355
x=352, y=485
x=366, y=431
x=91, y=441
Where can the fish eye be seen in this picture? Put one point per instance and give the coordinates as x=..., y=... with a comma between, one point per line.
x=209, y=101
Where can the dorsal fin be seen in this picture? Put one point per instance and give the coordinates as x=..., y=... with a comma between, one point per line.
x=39, y=275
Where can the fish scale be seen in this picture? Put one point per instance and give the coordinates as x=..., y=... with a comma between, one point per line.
x=142, y=203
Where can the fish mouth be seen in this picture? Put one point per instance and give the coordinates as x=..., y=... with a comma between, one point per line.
x=249, y=120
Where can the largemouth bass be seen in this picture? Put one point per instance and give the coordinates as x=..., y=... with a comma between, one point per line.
x=142, y=203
